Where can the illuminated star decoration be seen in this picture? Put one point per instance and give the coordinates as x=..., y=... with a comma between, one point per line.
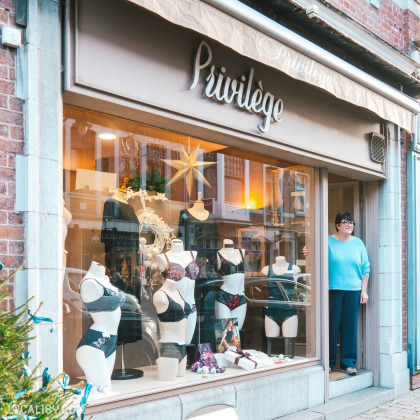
x=188, y=165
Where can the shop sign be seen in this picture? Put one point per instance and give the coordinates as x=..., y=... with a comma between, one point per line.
x=240, y=91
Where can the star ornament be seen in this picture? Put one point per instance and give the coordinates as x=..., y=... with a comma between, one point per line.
x=188, y=166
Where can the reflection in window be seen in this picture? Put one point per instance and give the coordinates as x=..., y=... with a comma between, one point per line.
x=241, y=218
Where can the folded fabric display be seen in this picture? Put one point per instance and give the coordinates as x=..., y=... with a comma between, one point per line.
x=207, y=359
x=243, y=359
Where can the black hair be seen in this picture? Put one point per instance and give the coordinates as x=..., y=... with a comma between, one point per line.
x=343, y=216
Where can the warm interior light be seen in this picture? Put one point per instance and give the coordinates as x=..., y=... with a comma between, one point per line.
x=251, y=204
x=107, y=136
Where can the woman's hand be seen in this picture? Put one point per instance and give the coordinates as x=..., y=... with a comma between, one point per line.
x=364, y=296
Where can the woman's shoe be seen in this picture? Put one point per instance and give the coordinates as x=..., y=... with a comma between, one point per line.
x=351, y=371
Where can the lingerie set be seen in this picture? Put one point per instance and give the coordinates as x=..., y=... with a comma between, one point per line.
x=174, y=313
x=175, y=271
x=108, y=302
x=228, y=268
x=281, y=311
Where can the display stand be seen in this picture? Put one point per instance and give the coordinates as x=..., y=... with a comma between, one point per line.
x=123, y=373
x=282, y=338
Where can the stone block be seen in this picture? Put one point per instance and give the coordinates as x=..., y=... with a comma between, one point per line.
x=194, y=401
x=164, y=409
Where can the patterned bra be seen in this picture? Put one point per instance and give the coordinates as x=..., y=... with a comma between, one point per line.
x=176, y=272
x=110, y=301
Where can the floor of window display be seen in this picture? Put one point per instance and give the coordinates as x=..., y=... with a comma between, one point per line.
x=148, y=383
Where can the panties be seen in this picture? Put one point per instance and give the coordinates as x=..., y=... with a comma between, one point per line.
x=280, y=315
x=96, y=339
x=173, y=351
x=229, y=300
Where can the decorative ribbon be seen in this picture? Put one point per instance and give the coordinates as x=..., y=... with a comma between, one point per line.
x=243, y=354
x=39, y=319
x=64, y=384
x=80, y=412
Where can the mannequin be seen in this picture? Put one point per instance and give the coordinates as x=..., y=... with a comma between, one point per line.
x=172, y=312
x=95, y=353
x=120, y=228
x=198, y=210
x=184, y=277
x=281, y=318
x=230, y=299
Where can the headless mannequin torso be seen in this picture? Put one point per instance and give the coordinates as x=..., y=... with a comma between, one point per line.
x=288, y=326
x=230, y=300
x=96, y=351
x=173, y=332
x=198, y=210
x=185, y=285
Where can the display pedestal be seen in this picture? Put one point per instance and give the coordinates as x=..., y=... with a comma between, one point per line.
x=281, y=338
x=123, y=374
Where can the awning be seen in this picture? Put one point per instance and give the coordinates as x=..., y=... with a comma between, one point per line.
x=253, y=35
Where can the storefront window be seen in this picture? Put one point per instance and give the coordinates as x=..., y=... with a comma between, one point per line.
x=233, y=225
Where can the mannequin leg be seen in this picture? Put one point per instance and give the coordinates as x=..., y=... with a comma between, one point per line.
x=167, y=368
x=336, y=307
x=95, y=366
x=221, y=311
x=271, y=328
x=182, y=366
x=239, y=313
x=348, y=329
x=290, y=327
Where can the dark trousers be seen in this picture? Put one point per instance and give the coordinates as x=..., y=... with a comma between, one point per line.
x=344, y=312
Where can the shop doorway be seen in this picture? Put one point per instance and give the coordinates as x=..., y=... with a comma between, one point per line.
x=344, y=196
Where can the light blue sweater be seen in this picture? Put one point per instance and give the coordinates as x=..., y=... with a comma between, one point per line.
x=347, y=262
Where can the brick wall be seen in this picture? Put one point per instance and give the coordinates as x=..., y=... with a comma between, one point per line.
x=391, y=23
x=11, y=143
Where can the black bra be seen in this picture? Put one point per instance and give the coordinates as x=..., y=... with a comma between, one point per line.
x=227, y=267
x=175, y=311
x=110, y=301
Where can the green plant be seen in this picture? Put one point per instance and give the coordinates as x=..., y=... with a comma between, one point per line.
x=154, y=181
x=19, y=394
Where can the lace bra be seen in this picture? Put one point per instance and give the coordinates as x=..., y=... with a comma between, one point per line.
x=175, y=271
x=110, y=301
x=175, y=312
x=227, y=267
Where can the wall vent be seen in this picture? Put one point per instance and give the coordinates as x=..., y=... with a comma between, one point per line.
x=377, y=147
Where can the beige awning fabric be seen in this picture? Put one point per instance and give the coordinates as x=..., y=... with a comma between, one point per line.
x=208, y=20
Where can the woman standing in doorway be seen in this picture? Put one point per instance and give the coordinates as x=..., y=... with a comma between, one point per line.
x=349, y=269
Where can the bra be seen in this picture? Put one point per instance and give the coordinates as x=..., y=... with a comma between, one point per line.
x=175, y=312
x=175, y=271
x=273, y=288
x=227, y=267
x=108, y=302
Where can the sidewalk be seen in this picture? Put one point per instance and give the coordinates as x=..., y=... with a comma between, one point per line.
x=404, y=407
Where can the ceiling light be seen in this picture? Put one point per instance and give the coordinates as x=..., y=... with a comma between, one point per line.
x=107, y=136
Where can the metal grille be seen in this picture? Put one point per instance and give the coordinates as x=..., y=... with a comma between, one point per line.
x=377, y=147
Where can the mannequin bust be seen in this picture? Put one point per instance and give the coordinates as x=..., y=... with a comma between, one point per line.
x=230, y=299
x=281, y=319
x=95, y=353
x=172, y=310
x=198, y=210
x=180, y=265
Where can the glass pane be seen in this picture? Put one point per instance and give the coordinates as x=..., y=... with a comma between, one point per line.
x=233, y=225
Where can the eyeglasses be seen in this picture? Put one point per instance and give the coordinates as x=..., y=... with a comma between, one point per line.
x=347, y=223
